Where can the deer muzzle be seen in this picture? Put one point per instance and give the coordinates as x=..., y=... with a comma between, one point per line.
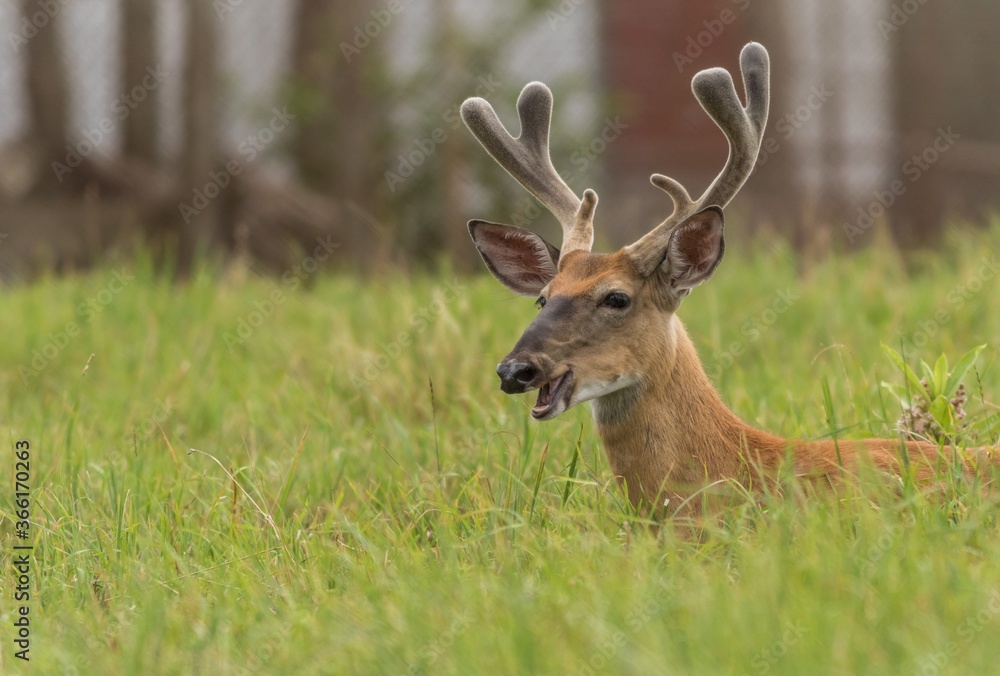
x=523, y=372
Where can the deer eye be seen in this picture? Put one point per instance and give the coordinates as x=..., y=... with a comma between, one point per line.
x=540, y=303
x=617, y=300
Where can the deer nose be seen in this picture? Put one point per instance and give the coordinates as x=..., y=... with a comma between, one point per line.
x=516, y=376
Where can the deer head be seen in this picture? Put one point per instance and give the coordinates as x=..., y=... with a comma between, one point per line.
x=607, y=331
x=605, y=323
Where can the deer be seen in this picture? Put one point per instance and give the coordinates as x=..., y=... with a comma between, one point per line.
x=607, y=330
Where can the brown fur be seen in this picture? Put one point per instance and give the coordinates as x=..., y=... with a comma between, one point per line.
x=670, y=435
x=666, y=432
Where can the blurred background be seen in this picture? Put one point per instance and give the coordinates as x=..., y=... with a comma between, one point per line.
x=260, y=129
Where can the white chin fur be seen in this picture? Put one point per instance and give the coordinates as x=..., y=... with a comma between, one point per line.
x=599, y=388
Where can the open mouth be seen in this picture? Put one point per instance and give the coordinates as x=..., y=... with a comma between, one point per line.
x=553, y=397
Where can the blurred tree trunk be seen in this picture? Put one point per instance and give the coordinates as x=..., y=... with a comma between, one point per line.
x=970, y=169
x=775, y=172
x=48, y=97
x=337, y=146
x=315, y=60
x=199, y=154
x=139, y=53
x=456, y=237
x=832, y=203
x=920, y=81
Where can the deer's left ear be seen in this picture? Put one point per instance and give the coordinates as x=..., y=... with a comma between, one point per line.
x=522, y=261
x=695, y=250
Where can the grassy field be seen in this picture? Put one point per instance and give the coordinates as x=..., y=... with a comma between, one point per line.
x=363, y=499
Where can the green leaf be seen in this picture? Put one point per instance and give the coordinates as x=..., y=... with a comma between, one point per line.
x=961, y=368
x=941, y=410
x=987, y=419
x=916, y=387
x=940, y=376
x=928, y=375
x=899, y=392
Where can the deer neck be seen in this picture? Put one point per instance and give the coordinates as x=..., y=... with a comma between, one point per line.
x=671, y=433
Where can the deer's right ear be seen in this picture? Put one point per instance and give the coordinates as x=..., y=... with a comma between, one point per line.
x=695, y=249
x=522, y=261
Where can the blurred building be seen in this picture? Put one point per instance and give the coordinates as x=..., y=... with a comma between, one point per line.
x=882, y=112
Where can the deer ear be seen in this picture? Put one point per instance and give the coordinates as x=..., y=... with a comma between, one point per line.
x=522, y=261
x=695, y=249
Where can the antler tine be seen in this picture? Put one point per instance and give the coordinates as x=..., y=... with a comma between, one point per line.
x=581, y=236
x=678, y=193
x=527, y=159
x=743, y=126
x=744, y=129
x=756, y=68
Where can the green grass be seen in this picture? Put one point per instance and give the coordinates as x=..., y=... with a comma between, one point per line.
x=373, y=527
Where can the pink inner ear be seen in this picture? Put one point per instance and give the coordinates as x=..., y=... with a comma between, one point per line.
x=525, y=263
x=520, y=259
x=527, y=253
x=695, y=249
x=698, y=243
